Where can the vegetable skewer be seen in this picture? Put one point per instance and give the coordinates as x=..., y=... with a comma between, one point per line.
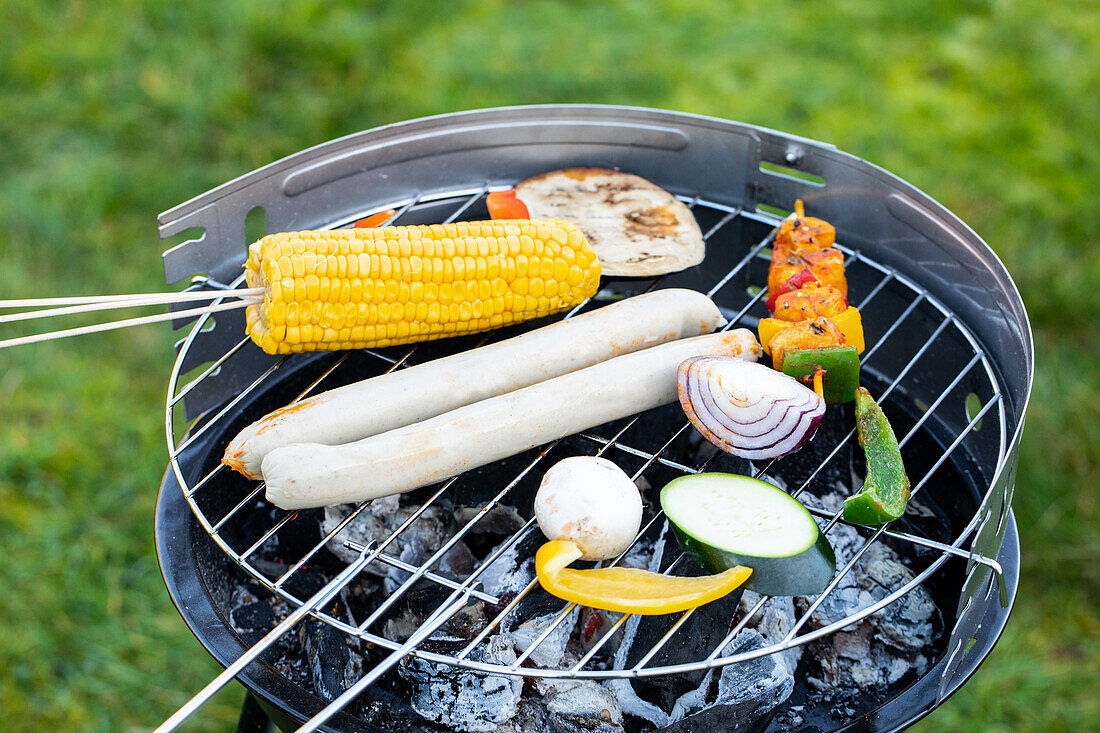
x=814, y=334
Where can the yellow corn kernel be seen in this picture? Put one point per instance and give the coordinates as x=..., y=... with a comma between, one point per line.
x=364, y=288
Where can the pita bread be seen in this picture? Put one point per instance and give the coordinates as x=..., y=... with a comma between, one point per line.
x=637, y=228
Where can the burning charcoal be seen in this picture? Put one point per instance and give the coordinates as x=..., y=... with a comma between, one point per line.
x=580, y=706
x=773, y=622
x=457, y=562
x=551, y=650
x=255, y=616
x=500, y=520
x=370, y=524
x=907, y=623
x=746, y=693
x=693, y=640
x=851, y=660
x=464, y=700
x=469, y=621
x=531, y=717
x=332, y=665
x=881, y=649
x=513, y=570
x=376, y=522
x=594, y=623
x=400, y=628
x=329, y=659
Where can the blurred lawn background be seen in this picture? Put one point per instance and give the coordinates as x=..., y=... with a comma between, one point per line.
x=116, y=111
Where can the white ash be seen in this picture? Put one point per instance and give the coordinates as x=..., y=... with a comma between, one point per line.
x=551, y=650
x=879, y=650
x=508, y=573
x=639, y=555
x=624, y=692
x=631, y=704
x=376, y=522
x=462, y=699
x=773, y=622
x=580, y=706
x=906, y=623
x=750, y=690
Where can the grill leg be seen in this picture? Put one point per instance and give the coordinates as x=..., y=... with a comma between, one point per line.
x=253, y=718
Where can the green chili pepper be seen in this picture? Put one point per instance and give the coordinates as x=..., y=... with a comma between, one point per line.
x=886, y=489
x=839, y=366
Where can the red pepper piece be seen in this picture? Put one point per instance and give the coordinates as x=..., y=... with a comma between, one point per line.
x=805, y=276
x=505, y=205
x=375, y=220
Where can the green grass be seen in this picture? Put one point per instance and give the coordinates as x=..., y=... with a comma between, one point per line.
x=116, y=111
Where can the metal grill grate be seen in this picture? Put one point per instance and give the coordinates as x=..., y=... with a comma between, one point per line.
x=734, y=234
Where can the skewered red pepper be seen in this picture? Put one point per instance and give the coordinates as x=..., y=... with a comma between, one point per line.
x=827, y=265
x=802, y=278
x=886, y=489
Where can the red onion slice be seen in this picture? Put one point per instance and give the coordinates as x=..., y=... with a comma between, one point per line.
x=746, y=408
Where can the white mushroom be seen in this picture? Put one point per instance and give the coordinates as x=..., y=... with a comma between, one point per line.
x=592, y=502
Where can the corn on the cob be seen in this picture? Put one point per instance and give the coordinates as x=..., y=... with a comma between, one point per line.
x=364, y=288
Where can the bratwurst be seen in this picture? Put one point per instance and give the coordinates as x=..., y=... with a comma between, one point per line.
x=407, y=396
x=301, y=476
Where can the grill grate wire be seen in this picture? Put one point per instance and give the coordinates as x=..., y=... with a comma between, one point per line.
x=462, y=202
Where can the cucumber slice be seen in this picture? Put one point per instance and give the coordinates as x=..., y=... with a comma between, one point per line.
x=723, y=520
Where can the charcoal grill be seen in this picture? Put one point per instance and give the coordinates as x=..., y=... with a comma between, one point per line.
x=949, y=351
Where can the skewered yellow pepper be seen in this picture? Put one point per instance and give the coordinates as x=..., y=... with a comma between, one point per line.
x=849, y=323
x=628, y=590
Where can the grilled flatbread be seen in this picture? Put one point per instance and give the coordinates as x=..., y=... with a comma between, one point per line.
x=637, y=229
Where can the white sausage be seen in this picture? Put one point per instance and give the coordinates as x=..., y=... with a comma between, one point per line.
x=300, y=476
x=407, y=396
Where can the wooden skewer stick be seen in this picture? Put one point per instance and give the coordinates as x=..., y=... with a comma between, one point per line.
x=156, y=318
x=799, y=210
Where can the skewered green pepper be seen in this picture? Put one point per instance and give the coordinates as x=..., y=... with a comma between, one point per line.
x=838, y=366
x=886, y=489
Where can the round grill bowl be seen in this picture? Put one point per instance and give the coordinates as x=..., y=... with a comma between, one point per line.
x=958, y=363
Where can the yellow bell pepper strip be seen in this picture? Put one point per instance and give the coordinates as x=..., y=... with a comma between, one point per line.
x=832, y=372
x=886, y=489
x=848, y=322
x=628, y=590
